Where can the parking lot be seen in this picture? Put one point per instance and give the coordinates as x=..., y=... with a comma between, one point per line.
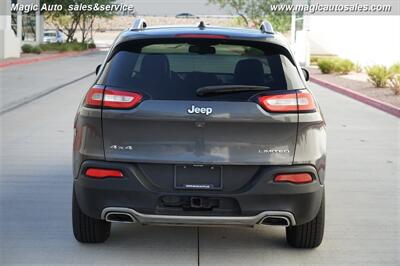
x=39, y=101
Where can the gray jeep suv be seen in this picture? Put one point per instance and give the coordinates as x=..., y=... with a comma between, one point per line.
x=199, y=126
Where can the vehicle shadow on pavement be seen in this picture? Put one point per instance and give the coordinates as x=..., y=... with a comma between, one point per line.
x=211, y=245
x=241, y=237
x=231, y=236
x=146, y=245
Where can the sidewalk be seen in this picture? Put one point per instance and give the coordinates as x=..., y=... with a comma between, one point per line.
x=356, y=86
x=33, y=58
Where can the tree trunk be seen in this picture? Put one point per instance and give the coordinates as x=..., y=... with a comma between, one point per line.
x=245, y=19
x=83, y=30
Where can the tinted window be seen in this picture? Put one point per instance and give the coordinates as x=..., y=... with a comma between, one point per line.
x=50, y=34
x=177, y=70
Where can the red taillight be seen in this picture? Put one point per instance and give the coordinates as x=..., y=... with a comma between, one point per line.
x=103, y=173
x=305, y=101
x=299, y=178
x=94, y=97
x=301, y=101
x=279, y=102
x=110, y=98
x=203, y=36
x=121, y=99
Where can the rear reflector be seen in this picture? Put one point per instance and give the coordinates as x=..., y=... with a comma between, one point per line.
x=110, y=98
x=102, y=173
x=299, y=178
x=301, y=101
x=203, y=36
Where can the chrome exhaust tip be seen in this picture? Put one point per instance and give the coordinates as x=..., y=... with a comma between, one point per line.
x=119, y=217
x=275, y=220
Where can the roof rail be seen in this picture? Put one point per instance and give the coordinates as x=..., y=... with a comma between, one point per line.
x=139, y=24
x=201, y=25
x=266, y=27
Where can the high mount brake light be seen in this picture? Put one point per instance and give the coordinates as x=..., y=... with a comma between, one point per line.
x=298, y=178
x=100, y=173
x=110, y=98
x=301, y=101
x=202, y=36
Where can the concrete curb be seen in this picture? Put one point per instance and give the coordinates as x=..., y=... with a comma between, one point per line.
x=26, y=61
x=386, y=107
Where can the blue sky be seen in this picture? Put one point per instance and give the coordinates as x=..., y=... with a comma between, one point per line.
x=173, y=7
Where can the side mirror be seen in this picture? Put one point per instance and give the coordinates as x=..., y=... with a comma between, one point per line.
x=306, y=74
x=98, y=69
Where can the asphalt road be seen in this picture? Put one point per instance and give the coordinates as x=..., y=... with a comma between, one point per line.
x=22, y=84
x=363, y=214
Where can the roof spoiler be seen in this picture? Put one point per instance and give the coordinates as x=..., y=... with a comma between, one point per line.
x=138, y=24
x=266, y=27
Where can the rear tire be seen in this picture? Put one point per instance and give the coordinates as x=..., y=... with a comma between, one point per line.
x=308, y=235
x=87, y=229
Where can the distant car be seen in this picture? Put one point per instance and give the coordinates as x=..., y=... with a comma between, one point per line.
x=186, y=15
x=52, y=36
x=201, y=125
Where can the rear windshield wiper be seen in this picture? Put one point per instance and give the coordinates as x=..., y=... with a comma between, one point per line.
x=221, y=89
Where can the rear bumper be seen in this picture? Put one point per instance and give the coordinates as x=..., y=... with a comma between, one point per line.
x=249, y=205
x=199, y=220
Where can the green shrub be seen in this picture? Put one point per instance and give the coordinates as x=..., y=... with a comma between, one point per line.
x=343, y=66
x=91, y=45
x=358, y=68
x=378, y=75
x=36, y=50
x=44, y=46
x=62, y=48
x=27, y=48
x=50, y=46
x=327, y=65
x=394, y=84
x=395, y=68
x=73, y=46
x=314, y=59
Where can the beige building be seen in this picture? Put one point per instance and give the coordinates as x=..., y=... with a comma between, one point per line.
x=17, y=28
x=365, y=40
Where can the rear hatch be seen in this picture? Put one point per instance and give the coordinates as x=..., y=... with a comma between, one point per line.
x=169, y=122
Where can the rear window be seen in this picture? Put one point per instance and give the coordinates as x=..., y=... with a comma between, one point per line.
x=49, y=34
x=174, y=71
